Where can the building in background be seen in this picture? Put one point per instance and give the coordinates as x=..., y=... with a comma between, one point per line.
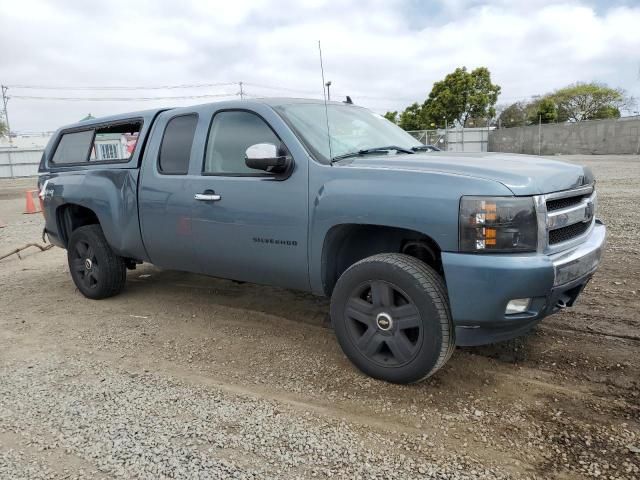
x=26, y=141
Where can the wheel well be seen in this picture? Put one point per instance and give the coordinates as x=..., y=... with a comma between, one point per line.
x=345, y=245
x=71, y=217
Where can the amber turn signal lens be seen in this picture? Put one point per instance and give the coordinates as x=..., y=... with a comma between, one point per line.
x=498, y=224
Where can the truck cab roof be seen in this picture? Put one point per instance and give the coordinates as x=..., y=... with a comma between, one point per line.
x=151, y=113
x=143, y=114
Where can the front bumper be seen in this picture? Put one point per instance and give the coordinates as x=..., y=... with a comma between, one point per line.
x=480, y=286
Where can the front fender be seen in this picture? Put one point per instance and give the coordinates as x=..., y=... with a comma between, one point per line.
x=423, y=202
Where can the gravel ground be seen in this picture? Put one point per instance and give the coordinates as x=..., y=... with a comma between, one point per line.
x=184, y=376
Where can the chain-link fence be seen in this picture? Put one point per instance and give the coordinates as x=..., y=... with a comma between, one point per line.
x=455, y=139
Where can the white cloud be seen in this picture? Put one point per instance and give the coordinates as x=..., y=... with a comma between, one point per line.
x=385, y=54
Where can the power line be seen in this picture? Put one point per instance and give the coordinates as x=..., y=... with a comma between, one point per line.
x=122, y=87
x=194, y=85
x=283, y=89
x=121, y=99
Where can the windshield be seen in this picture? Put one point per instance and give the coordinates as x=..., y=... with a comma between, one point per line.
x=352, y=129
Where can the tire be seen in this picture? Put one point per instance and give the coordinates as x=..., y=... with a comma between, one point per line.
x=391, y=315
x=95, y=269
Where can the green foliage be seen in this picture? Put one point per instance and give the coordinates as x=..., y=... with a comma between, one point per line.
x=3, y=129
x=412, y=118
x=515, y=115
x=543, y=110
x=460, y=96
x=607, y=112
x=469, y=98
x=391, y=116
x=588, y=101
x=575, y=103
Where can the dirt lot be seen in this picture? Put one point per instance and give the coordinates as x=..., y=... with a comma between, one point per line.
x=184, y=376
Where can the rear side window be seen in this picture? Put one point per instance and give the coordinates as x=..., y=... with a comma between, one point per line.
x=109, y=143
x=175, y=150
x=115, y=142
x=73, y=147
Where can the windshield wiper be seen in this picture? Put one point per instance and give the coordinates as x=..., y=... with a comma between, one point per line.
x=425, y=148
x=367, y=151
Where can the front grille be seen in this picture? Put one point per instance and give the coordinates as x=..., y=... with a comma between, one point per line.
x=561, y=203
x=567, y=233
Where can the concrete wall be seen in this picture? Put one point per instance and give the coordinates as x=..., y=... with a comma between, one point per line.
x=620, y=136
x=19, y=163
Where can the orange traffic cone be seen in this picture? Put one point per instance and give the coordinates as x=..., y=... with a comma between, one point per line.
x=31, y=207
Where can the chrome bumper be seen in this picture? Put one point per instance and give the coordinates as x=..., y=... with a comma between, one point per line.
x=582, y=259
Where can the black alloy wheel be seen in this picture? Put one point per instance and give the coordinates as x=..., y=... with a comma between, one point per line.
x=383, y=322
x=95, y=268
x=392, y=319
x=85, y=264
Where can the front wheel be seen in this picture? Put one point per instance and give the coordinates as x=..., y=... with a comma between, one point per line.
x=391, y=316
x=95, y=269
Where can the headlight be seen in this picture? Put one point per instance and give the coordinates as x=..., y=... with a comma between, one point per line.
x=498, y=224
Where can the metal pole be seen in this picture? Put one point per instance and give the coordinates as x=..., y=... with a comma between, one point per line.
x=5, y=100
x=539, y=133
x=328, y=84
x=241, y=91
x=10, y=163
x=446, y=133
x=486, y=144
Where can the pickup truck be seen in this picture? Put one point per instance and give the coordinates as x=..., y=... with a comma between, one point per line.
x=419, y=251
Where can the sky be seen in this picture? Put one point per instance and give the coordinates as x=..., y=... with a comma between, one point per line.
x=385, y=54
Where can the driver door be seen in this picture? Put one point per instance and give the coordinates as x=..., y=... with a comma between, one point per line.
x=248, y=224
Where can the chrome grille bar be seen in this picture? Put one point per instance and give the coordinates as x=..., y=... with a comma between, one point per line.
x=548, y=221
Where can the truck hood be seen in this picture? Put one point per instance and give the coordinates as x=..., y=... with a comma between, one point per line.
x=522, y=174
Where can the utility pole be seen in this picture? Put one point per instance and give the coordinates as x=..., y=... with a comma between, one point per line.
x=5, y=100
x=328, y=85
x=241, y=91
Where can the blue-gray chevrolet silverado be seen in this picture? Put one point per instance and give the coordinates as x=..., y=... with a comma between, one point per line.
x=419, y=250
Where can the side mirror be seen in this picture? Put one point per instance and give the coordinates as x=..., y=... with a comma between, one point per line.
x=264, y=156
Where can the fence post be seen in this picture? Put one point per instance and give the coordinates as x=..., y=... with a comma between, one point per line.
x=10, y=164
x=446, y=135
x=539, y=133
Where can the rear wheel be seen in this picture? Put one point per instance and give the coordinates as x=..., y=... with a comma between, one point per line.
x=95, y=269
x=391, y=316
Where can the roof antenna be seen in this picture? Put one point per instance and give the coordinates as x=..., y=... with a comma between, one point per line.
x=348, y=100
x=324, y=94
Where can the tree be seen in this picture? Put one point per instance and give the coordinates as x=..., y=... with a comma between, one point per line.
x=607, y=112
x=589, y=101
x=391, y=116
x=460, y=96
x=515, y=115
x=3, y=129
x=412, y=118
x=543, y=110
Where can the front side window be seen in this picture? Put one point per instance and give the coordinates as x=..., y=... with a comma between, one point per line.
x=73, y=147
x=231, y=134
x=115, y=142
x=175, y=150
x=351, y=128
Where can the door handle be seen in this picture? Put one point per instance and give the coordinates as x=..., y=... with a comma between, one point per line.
x=207, y=196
